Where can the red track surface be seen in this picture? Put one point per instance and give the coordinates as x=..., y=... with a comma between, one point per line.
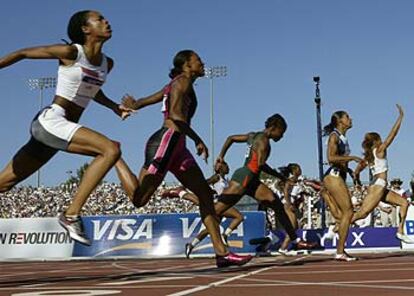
x=319, y=275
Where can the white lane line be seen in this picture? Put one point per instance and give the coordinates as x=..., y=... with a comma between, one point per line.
x=290, y=283
x=286, y=272
x=335, y=265
x=221, y=282
x=215, y=284
x=346, y=284
x=147, y=280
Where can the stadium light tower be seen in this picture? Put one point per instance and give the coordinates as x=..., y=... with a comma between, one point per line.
x=41, y=84
x=318, y=100
x=212, y=73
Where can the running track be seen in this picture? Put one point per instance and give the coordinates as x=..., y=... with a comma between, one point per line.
x=319, y=275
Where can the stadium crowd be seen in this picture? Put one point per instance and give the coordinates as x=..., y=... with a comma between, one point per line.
x=110, y=199
x=107, y=199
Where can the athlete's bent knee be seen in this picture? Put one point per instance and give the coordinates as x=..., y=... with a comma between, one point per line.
x=112, y=152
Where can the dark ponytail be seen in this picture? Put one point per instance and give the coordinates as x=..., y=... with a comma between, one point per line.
x=329, y=128
x=179, y=60
x=76, y=22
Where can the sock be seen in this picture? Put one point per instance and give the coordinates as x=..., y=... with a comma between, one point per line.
x=71, y=217
x=195, y=242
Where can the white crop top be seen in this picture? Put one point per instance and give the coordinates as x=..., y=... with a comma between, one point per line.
x=80, y=81
x=220, y=185
x=380, y=164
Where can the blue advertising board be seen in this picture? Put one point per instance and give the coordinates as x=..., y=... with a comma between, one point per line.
x=367, y=237
x=160, y=235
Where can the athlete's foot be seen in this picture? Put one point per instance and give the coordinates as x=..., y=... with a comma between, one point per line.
x=232, y=259
x=304, y=245
x=404, y=238
x=74, y=227
x=284, y=252
x=188, y=249
x=171, y=193
x=345, y=257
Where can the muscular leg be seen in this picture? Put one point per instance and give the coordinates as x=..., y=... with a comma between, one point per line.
x=139, y=190
x=194, y=180
x=236, y=217
x=371, y=201
x=266, y=196
x=232, y=213
x=22, y=165
x=397, y=200
x=106, y=153
x=339, y=192
x=294, y=221
x=333, y=207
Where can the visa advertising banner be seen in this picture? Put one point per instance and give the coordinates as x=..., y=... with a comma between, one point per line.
x=161, y=235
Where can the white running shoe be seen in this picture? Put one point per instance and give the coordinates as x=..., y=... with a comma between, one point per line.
x=74, y=227
x=345, y=257
x=404, y=238
x=283, y=252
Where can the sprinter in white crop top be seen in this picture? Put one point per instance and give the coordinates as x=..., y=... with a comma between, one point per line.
x=82, y=71
x=375, y=152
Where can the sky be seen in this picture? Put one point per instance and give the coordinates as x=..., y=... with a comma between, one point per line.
x=362, y=50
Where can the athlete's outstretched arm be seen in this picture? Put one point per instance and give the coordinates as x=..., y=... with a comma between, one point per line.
x=118, y=109
x=333, y=156
x=271, y=171
x=229, y=141
x=59, y=51
x=394, y=131
x=130, y=102
x=103, y=100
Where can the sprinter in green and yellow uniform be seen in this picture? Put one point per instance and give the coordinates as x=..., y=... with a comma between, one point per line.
x=245, y=180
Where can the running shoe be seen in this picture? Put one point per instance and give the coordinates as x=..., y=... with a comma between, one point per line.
x=188, y=249
x=74, y=227
x=283, y=252
x=345, y=257
x=232, y=259
x=304, y=245
x=404, y=238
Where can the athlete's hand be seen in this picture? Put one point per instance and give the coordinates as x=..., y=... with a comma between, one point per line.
x=202, y=150
x=129, y=102
x=124, y=112
x=400, y=109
